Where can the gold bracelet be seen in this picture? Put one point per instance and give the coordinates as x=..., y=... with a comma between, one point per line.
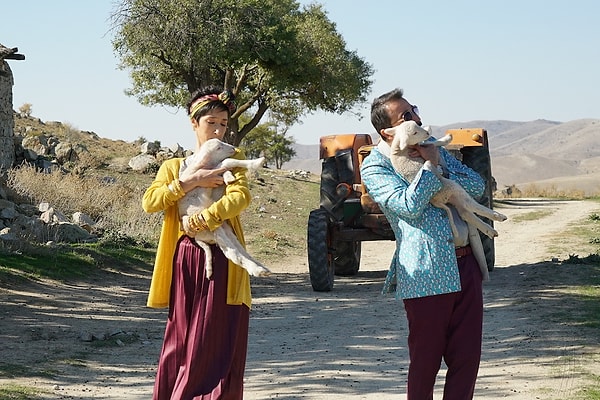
x=193, y=224
x=176, y=189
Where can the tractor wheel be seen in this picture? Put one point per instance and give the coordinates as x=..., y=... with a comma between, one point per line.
x=329, y=181
x=320, y=261
x=347, y=258
x=478, y=159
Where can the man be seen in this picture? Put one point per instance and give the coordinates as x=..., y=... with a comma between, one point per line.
x=434, y=273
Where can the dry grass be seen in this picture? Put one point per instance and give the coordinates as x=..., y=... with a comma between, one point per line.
x=274, y=224
x=550, y=192
x=113, y=202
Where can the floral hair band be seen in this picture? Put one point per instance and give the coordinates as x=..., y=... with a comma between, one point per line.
x=224, y=97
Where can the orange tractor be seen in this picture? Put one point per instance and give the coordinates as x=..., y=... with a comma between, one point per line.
x=347, y=216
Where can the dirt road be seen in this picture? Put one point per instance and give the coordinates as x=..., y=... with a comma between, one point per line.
x=346, y=344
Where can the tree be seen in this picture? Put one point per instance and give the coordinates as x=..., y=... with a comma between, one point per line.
x=26, y=109
x=265, y=141
x=256, y=142
x=281, y=149
x=271, y=54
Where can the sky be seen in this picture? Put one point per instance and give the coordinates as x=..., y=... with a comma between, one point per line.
x=459, y=61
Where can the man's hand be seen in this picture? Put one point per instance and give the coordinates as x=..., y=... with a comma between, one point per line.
x=428, y=152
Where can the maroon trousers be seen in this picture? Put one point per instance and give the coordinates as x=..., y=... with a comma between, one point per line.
x=205, y=344
x=447, y=326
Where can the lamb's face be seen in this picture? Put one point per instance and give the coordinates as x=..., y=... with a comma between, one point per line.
x=217, y=150
x=407, y=134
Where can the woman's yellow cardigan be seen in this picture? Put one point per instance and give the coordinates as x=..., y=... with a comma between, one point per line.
x=158, y=197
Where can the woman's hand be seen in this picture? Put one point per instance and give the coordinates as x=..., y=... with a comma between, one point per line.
x=208, y=178
x=185, y=224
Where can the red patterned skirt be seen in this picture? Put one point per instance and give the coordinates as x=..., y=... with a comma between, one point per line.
x=206, y=341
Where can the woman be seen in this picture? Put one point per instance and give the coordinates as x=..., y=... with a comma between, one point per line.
x=206, y=336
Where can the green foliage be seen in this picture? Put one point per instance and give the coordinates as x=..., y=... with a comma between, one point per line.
x=273, y=55
x=256, y=143
x=281, y=150
x=264, y=140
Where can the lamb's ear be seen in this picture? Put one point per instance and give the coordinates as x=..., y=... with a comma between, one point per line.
x=400, y=141
x=403, y=142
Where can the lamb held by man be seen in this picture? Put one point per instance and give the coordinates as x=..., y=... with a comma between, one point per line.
x=215, y=153
x=408, y=134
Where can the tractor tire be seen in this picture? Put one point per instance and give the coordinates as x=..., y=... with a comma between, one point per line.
x=320, y=260
x=478, y=159
x=329, y=181
x=335, y=170
x=346, y=260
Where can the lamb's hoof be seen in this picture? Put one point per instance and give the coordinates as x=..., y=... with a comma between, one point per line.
x=491, y=233
x=260, y=271
x=500, y=217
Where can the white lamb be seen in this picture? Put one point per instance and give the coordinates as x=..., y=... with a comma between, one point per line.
x=409, y=133
x=214, y=154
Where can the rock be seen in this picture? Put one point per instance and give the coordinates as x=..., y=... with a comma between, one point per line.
x=84, y=221
x=86, y=336
x=51, y=216
x=8, y=213
x=141, y=162
x=150, y=148
x=69, y=233
x=65, y=152
x=8, y=236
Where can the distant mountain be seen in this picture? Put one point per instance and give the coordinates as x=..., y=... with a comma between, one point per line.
x=540, y=151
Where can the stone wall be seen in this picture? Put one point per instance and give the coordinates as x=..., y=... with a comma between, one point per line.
x=7, y=123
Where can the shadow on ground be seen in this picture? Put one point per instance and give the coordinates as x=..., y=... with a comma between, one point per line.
x=348, y=343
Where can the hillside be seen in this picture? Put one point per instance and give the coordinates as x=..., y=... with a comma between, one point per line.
x=564, y=155
x=544, y=153
x=106, y=151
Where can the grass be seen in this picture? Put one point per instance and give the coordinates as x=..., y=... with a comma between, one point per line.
x=586, y=234
x=8, y=370
x=531, y=216
x=536, y=191
x=18, y=392
x=275, y=223
x=70, y=261
x=583, y=300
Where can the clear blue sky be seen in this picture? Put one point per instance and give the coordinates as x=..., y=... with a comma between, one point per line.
x=458, y=60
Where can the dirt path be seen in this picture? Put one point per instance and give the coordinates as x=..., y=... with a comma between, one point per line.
x=531, y=241
x=348, y=343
